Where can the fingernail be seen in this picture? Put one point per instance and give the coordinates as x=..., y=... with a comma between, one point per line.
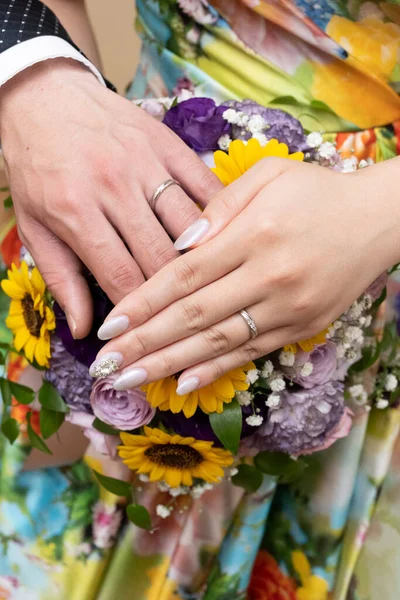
x=71, y=323
x=106, y=365
x=113, y=327
x=188, y=385
x=130, y=379
x=193, y=234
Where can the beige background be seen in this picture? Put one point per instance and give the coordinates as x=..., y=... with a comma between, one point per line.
x=116, y=37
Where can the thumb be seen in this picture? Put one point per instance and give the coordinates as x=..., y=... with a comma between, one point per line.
x=247, y=181
x=61, y=271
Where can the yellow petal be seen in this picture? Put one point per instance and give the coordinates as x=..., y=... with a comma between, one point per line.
x=12, y=290
x=21, y=338
x=253, y=153
x=225, y=162
x=156, y=473
x=224, y=387
x=37, y=282
x=301, y=565
x=237, y=151
x=173, y=477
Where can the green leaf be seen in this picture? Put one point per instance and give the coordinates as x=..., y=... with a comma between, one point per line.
x=248, y=477
x=8, y=202
x=34, y=439
x=115, y=486
x=10, y=429
x=139, y=515
x=369, y=356
x=288, y=100
x=22, y=393
x=4, y=189
x=317, y=104
x=50, y=422
x=103, y=427
x=5, y=392
x=227, y=426
x=51, y=399
x=294, y=471
x=273, y=463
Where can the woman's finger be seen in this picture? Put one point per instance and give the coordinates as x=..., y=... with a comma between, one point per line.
x=214, y=341
x=179, y=279
x=228, y=203
x=192, y=314
x=210, y=370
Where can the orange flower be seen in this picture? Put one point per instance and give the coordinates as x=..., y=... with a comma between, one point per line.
x=19, y=413
x=10, y=247
x=361, y=144
x=268, y=582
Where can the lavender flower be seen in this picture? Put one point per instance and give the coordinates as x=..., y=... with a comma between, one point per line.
x=324, y=363
x=302, y=423
x=124, y=410
x=198, y=122
x=280, y=125
x=70, y=377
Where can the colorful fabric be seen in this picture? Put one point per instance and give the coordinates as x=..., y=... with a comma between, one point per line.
x=334, y=533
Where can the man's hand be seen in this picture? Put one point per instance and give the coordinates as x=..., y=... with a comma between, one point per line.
x=82, y=164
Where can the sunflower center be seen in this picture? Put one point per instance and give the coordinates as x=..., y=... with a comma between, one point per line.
x=176, y=456
x=33, y=319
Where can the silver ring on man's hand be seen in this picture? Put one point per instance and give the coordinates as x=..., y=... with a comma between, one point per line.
x=161, y=188
x=250, y=323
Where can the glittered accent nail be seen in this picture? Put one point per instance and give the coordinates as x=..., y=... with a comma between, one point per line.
x=106, y=365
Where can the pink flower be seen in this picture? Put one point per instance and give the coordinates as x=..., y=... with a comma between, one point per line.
x=124, y=410
x=341, y=430
x=199, y=10
x=106, y=522
x=104, y=444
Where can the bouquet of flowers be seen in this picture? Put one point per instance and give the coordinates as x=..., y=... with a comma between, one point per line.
x=263, y=418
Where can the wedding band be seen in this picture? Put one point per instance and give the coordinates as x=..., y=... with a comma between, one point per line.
x=250, y=323
x=161, y=188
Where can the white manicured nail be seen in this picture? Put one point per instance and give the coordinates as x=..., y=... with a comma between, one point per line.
x=193, y=234
x=130, y=379
x=106, y=365
x=188, y=385
x=113, y=327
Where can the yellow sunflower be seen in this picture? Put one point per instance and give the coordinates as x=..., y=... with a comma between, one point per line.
x=172, y=458
x=29, y=318
x=211, y=398
x=309, y=344
x=241, y=157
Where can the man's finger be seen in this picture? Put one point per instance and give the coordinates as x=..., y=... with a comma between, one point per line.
x=61, y=270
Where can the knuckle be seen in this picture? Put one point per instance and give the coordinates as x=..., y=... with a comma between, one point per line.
x=230, y=200
x=193, y=315
x=217, y=340
x=144, y=310
x=123, y=278
x=248, y=351
x=140, y=344
x=168, y=364
x=163, y=256
x=185, y=276
x=216, y=370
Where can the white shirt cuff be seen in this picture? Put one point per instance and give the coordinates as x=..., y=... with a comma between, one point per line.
x=25, y=54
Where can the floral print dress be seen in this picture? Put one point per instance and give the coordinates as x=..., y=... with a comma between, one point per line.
x=335, y=532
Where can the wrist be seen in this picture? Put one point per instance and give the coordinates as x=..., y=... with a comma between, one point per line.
x=27, y=88
x=381, y=211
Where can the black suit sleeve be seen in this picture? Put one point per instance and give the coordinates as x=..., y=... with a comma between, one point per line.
x=23, y=20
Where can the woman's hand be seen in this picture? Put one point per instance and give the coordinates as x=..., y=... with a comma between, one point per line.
x=83, y=163
x=292, y=243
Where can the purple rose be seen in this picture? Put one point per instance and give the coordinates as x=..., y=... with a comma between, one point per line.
x=302, y=423
x=324, y=361
x=124, y=410
x=280, y=125
x=198, y=122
